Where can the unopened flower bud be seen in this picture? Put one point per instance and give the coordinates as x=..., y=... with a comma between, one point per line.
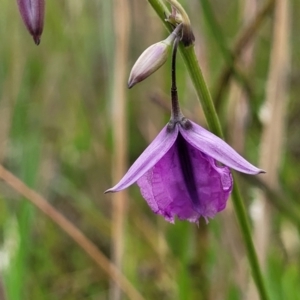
x=32, y=12
x=151, y=60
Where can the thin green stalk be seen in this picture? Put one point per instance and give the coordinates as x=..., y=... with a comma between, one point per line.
x=220, y=40
x=216, y=31
x=204, y=96
x=244, y=38
x=250, y=249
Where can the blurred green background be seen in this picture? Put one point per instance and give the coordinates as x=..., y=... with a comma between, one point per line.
x=58, y=135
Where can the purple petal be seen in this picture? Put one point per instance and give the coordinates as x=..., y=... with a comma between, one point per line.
x=32, y=12
x=166, y=190
x=215, y=147
x=155, y=151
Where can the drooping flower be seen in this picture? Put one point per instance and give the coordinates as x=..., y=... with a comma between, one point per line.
x=32, y=12
x=179, y=174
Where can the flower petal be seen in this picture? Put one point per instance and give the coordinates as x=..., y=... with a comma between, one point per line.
x=32, y=12
x=218, y=149
x=155, y=151
x=165, y=189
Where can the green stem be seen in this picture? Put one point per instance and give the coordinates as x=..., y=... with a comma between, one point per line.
x=204, y=96
x=220, y=40
x=246, y=233
x=176, y=114
x=216, y=31
x=202, y=91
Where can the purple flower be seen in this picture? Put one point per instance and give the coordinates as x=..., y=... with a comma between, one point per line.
x=178, y=174
x=32, y=12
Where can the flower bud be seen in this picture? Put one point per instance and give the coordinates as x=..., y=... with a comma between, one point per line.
x=151, y=60
x=32, y=12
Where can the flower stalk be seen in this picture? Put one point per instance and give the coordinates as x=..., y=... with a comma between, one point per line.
x=205, y=99
x=176, y=114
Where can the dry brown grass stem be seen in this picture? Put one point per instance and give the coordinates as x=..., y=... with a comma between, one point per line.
x=119, y=128
x=238, y=111
x=273, y=117
x=273, y=114
x=72, y=231
x=2, y=291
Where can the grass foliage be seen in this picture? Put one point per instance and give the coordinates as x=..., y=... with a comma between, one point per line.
x=56, y=136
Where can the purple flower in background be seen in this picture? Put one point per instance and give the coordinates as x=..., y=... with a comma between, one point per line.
x=178, y=174
x=32, y=12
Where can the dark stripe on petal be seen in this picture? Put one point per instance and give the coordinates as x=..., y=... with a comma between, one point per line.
x=188, y=171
